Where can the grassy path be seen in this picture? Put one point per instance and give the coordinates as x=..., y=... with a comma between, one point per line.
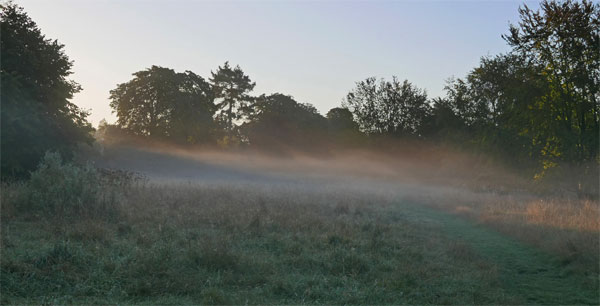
x=535, y=276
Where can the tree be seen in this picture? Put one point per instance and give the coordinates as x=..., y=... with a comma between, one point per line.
x=191, y=119
x=231, y=88
x=388, y=107
x=341, y=119
x=279, y=121
x=563, y=40
x=342, y=128
x=36, y=114
x=444, y=123
x=492, y=108
x=160, y=103
x=459, y=99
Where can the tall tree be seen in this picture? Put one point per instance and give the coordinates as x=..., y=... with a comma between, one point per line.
x=563, y=40
x=191, y=118
x=232, y=87
x=388, y=107
x=36, y=114
x=492, y=107
x=160, y=103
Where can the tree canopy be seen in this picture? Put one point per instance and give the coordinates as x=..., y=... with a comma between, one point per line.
x=536, y=106
x=160, y=103
x=389, y=107
x=278, y=120
x=36, y=114
x=232, y=87
x=341, y=119
x=563, y=42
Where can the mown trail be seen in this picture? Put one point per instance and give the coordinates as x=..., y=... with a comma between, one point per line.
x=527, y=272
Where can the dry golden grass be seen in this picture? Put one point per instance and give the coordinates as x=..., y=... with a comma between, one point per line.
x=569, y=214
x=569, y=228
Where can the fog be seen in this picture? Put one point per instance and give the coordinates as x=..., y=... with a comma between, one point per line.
x=427, y=175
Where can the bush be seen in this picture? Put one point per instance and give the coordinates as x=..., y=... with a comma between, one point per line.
x=70, y=190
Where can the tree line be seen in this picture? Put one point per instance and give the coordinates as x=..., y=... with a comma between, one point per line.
x=162, y=104
x=537, y=105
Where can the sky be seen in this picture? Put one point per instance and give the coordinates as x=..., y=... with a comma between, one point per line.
x=314, y=51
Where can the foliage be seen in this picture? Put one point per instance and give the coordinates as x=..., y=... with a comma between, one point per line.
x=66, y=190
x=491, y=108
x=563, y=41
x=343, y=130
x=444, y=122
x=110, y=133
x=231, y=88
x=36, y=114
x=230, y=142
x=160, y=103
x=341, y=119
x=537, y=106
x=389, y=107
x=278, y=120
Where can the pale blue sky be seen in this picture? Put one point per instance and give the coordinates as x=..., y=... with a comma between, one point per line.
x=312, y=50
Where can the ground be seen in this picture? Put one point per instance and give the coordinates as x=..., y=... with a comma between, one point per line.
x=273, y=238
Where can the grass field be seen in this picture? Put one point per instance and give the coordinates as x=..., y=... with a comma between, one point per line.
x=301, y=241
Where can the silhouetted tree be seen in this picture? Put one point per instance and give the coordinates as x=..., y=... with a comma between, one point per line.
x=459, y=99
x=191, y=119
x=444, y=123
x=392, y=108
x=343, y=130
x=340, y=119
x=36, y=112
x=279, y=121
x=160, y=103
x=491, y=108
x=232, y=87
x=507, y=87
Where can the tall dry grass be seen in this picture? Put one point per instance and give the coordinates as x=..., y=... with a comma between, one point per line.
x=566, y=227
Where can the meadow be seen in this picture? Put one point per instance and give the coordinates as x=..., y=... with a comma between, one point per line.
x=480, y=188
x=224, y=229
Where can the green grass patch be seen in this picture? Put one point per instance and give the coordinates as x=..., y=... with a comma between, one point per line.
x=186, y=244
